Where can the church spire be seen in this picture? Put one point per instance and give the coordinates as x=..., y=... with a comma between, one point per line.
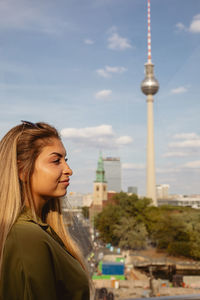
x=100, y=173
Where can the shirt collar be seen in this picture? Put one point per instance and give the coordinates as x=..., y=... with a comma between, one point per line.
x=26, y=215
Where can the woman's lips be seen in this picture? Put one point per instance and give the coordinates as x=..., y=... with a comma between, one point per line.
x=64, y=182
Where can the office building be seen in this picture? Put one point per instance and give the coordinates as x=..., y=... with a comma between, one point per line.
x=132, y=190
x=113, y=176
x=181, y=200
x=162, y=191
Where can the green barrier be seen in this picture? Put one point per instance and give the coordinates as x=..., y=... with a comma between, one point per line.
x=117, y=277
x=100, y=265
x=119, y=259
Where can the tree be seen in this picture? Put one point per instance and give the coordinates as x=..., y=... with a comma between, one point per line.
x=130, y=221
x=176, y=230
x=122, y=223
x=131, y=234
x=105, y=222
x=85, y=212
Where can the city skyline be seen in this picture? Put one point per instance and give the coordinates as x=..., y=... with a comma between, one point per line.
x=79, y=67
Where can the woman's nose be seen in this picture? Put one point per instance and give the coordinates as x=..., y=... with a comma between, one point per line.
x=67, y=170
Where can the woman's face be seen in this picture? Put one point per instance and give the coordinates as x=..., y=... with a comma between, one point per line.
x=51, y=173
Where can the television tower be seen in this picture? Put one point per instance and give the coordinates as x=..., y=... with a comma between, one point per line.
x=149, y=87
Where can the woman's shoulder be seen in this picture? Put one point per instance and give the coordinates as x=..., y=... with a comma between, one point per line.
x=27, y=235
x=27, y=227
x=28, y=245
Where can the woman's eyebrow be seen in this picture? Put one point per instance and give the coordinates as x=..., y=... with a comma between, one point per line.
x=58, y=154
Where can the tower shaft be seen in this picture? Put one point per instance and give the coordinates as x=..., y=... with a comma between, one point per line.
x=150, y=170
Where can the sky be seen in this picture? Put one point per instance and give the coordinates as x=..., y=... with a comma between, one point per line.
x=78, y=65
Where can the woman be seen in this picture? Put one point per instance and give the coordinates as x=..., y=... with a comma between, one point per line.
x=38, y=258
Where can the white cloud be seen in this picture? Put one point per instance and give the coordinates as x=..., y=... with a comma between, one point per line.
x=117, y=42
x=168, y=170
x=108, y=71
x=195, y=24
x=193, y=164
x=180, y=26
x=179, y=90
x=115, y=69
x=124, y=140
x=186, y=144
x=101, y=137
x=189, y=140
x=130, y=166
x=175, y=154
x=103, y=73
x=88, y=42
x=190, y=135
x=103, y=94
x=87, y=132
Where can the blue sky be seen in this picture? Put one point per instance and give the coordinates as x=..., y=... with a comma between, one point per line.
x=78, y=64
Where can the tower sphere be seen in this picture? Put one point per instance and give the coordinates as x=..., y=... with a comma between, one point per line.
x=149, y=85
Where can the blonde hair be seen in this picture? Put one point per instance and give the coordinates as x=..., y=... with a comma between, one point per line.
x=19, y=149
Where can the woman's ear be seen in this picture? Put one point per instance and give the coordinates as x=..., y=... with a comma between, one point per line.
x=21, y=174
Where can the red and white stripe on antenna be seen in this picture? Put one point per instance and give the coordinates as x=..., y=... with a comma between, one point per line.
x=149, y=32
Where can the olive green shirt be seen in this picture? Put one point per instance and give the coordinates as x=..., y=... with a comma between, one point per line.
x=37, y=266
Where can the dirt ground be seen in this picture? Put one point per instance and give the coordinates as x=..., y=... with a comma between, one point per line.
x=153, y=253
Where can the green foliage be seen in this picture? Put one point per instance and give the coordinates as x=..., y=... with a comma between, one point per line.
x=85, y=212
x=105, y=223
x=179, y=248
x=131, y=234
x=177, y=231
x=169, y=228
x=123, y=223
x=130, y=222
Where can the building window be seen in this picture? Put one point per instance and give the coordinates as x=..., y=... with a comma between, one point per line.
x=97, y=188
x=104, y=188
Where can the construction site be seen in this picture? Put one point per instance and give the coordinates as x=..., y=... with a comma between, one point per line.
x=146, y=274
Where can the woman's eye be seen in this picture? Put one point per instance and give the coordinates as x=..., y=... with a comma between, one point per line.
x=56, y=161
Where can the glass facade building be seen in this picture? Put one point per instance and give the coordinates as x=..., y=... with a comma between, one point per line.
x=113, y=173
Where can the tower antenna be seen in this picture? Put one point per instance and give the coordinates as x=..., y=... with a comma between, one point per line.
x=149, y=30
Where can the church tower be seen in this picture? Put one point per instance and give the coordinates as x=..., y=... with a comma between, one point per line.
x=99, y=190
x=100, y=184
